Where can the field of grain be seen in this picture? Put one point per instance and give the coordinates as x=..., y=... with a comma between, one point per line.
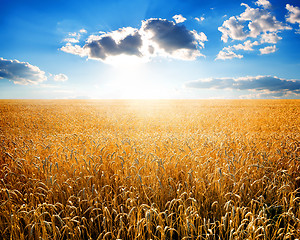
x=220, y=169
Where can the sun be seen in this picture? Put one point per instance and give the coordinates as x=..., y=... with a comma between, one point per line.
x=132, y=81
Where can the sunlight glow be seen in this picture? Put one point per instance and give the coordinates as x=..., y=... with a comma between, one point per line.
x=131, y=80
x=125, y=61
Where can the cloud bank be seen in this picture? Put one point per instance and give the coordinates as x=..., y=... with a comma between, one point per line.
x=261, y=84
x=156, y=37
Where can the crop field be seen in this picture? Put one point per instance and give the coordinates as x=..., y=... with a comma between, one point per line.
x=160, y=169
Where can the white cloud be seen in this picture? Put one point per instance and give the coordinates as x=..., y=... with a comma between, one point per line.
x=82, y=31
x=21, y=72
x=199, y=37
x=74, y=37
x=255, y=23
x=73, y=34
x=227, y=53
x=74, y=49
x=268, y=49
x=201, y=19
x=293, y=15
x=60, y=77
x=250, y=24
x=179, y=18
x=270, y=38
x=260, y=21
x=263, y=3
x=71, y=40
x=232, y=28
x=246, y=46
x=156, y=37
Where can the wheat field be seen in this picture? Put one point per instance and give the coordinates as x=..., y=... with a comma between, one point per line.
x=161, y=169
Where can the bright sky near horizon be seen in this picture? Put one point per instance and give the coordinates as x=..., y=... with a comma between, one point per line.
x=183, y=49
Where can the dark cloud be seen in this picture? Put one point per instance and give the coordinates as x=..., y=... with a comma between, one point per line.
x=21, y=72
x=170, y=36
x=107, y=46
x=155, y=37
x=258, y=83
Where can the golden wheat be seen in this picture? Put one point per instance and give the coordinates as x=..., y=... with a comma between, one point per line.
x=150, y=169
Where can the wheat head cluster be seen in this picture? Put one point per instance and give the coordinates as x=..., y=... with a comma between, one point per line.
x=168, y=169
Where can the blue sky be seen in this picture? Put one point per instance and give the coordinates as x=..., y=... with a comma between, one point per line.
x=149, y=49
